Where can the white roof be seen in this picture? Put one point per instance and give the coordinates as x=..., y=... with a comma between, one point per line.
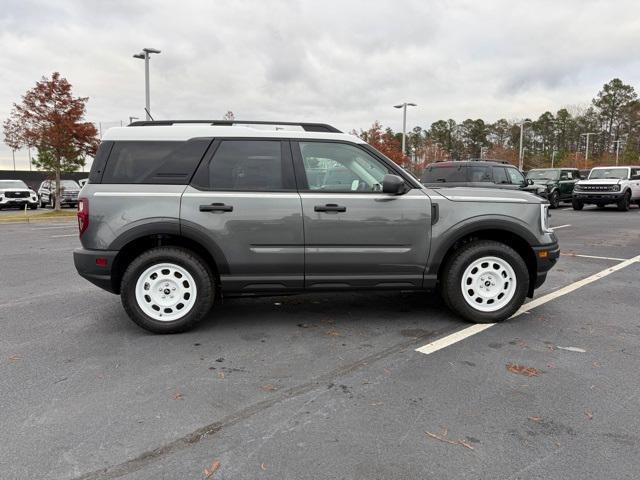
x=187, y=131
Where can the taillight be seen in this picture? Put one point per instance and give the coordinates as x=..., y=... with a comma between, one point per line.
x=83, y=214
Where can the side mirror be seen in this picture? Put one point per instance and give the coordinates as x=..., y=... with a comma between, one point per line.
x=392, y=184
x=529, y=181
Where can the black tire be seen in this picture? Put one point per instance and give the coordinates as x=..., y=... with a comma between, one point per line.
x=34, y=206
x=450, y=283
x=577, y=204
x=554, y=199
x=623, y=203
x=186, y=259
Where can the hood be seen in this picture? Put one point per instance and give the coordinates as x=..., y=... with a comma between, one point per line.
x=600, y=181
x=473, y=194
x=18, y=189
x=542, y=181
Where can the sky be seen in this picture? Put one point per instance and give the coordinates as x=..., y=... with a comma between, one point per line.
x=340, y=62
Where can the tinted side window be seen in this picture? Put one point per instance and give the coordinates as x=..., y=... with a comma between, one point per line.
x=247, y=165
x=499, y=175
x=479, y=173
x=444, y=174
x=515, y=176
x=170, y=163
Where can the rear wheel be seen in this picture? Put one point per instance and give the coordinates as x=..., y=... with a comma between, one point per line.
x=623, y=203
x=167, y=290
x=485, y=281
x=577, y=204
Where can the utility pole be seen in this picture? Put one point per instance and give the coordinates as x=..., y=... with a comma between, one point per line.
x=586, y=155
x=617, y=142
x=521, y=156
x=404, y=122
x=553, y=157
x=13, y=153
x=144, y=55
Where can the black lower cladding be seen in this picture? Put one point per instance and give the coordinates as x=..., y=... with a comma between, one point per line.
x=95, y=266
x=598, y=198
x=546, y=262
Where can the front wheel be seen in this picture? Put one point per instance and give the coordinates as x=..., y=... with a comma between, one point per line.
x=554, y=199
x=623, y=203
x=167, y=290
x=577, y=204
x=485, y=281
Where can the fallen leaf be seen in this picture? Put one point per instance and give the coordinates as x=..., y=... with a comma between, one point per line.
x=596, y=365
x=387, y=371
x=221, y=375
x=212, y=469
x=522, y=370
x=443, y=438
x=589, y=414
x=333, y=333
x=268, y=388
x=14, y=358
x=535, y=419
x=178, y=395
x=263, y=466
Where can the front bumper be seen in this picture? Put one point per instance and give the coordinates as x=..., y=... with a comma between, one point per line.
x=17, y=202
x=589, y=197
x=546, y=257
x=87, y=265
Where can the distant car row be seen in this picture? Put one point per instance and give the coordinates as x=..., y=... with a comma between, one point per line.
x=16, y=193
x=600, y=186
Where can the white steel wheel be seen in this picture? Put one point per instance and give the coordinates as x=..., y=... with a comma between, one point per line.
x=166, y=292
x=488, y=284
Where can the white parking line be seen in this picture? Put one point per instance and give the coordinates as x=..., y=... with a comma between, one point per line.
x=474, y=329
x=560, y=226
x=66, y=225
x=60, y=236
x=615, y=259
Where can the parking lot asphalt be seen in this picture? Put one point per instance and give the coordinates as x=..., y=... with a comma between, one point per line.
x=323, y=385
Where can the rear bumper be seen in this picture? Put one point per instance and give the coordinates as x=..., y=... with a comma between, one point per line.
x=589, y=197
x=88, y=268
x=546, y=257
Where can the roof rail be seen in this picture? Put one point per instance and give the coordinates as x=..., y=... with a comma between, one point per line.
x=309, y=127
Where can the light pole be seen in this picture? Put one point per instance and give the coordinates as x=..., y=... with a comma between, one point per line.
x=404, y=122
x=586, y=154
x=521, y=155
x=617, y=142
x=144, y=55
x=553, y=157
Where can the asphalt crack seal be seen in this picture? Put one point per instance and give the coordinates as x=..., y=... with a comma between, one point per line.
x=148, y=457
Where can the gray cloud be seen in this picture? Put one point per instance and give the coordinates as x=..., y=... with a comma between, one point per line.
x=342, y=62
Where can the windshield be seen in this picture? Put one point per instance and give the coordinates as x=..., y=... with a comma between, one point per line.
x=444, y=174
x=12, y=184
x=613, y=173
x=543, y=175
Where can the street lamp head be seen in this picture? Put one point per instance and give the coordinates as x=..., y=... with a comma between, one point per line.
x=398, y=106
x=150, y=50
x=139, y=55
x=412, y=105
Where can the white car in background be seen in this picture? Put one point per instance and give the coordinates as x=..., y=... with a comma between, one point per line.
x=16, y=193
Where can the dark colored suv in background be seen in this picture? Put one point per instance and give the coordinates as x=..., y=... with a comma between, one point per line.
x=557, y=182
x=476, y=173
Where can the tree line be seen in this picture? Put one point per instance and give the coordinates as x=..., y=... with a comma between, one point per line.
x=612, y=120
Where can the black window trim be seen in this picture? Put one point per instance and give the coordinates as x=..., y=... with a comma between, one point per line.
x=200, y=181
x=301, y=176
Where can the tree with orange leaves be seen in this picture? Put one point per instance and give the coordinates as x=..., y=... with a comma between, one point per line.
x=384, y=141
x=51, y=119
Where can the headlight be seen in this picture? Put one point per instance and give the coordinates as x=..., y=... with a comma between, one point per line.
x=577, y=186
x=544, y=218
x=549, y=187
x=615, y=188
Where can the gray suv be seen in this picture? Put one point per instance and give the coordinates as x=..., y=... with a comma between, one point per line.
x=177, y=214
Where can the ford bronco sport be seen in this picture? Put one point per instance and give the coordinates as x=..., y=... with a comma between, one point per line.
x=177, y=214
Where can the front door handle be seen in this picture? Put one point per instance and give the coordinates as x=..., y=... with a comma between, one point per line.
x=216, y=207
x=329, y=207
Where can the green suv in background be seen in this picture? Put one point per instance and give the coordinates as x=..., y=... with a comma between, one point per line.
x=558, y=183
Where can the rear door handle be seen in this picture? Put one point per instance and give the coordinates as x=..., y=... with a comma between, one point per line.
x=216, y=207
x=329, y=207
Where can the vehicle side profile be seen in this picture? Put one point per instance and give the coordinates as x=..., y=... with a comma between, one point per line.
x=478, y=173
x=558, y=183
x=16, y=193
x=608, y=185
x=179, y=214
x=69, y=190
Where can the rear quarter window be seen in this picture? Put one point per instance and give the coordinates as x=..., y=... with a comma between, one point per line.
x=154, y=162
x=444, y=174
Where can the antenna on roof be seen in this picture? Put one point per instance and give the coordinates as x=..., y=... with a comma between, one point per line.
x=148, y=113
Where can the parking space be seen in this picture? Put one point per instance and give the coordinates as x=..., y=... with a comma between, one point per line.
x=322, y=385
